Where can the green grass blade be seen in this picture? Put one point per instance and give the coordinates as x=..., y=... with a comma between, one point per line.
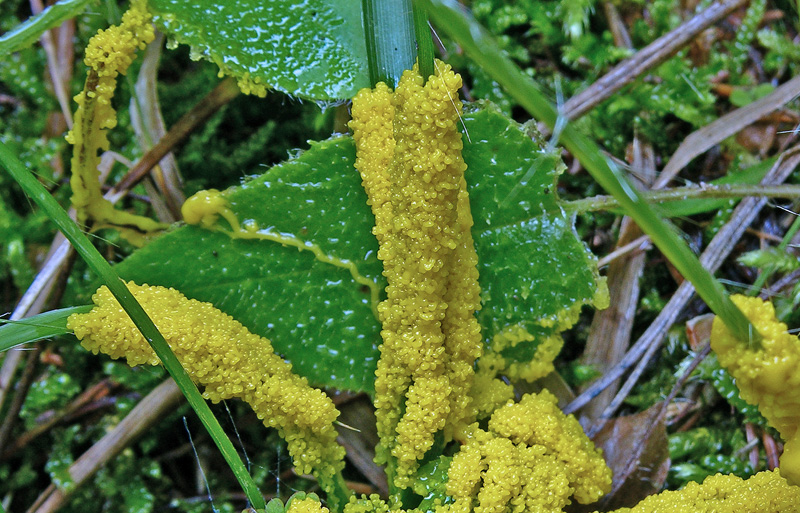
x=117, y=287
x=422, y=33
x=478, y=44
x=38, y=327
x=686, y=201
x=27, y=33
x=389, y=29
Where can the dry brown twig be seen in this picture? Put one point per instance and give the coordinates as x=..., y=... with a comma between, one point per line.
x=647, y=58
x=712, y=134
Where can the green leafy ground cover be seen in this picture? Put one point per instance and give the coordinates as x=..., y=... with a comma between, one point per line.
x=317, y=197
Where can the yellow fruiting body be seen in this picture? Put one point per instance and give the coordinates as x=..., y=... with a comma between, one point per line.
x=765, y=492
x=371, y=504
x=229, y=361
x=409, y=156
x=537, y=367
x=532, y=458
x=108, y=55
x=306, y=505
x=768, y=377
x=462, y=333
x=537, y=420
x=488, y=393
x=372, y=126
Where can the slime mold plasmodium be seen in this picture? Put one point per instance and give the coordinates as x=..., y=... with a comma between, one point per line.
x=769, y=376
x=228, y=361
x=408, y=151
x=306, y=505
x=765, y=492
x=109, y=54
x=531, y=458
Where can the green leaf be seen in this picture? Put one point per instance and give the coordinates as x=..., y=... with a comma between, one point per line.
x=314, y=49
x=533, y=267
x=27, y=33
x=314, y=313
x=275, y=506
x=431, y=483
x=38, y=327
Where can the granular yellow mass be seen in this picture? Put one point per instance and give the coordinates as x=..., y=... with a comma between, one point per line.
x=532, y=458
x=229, y=361
x=306, y=505
x=768, y=377
x=536, y=420
x=537, y=367
x=109, y=54
x=368, y=504
x=372, y=125
x=409, y=156
x=765, y=492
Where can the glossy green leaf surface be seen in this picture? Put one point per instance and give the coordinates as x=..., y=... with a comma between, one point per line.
x=313, y=48
x=314, y=313
x=533, y=266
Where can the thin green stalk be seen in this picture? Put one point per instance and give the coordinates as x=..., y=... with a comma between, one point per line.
x=45, y=325
x=764, y=276
x=389, y=29
x=118, y=288
x=422, y=32
x=734, y=191
x=338, y=493
x=450, y=17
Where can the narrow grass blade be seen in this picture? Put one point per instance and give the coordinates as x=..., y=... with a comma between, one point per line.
x=389, y=29
x=98, y=264
x=38, y=327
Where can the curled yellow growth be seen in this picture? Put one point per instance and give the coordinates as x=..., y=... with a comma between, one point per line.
x=765, y=492
x=537, y=367
x=408, y=151
x=229, y=361
x=370, y=504
x=109, y=54
x=768, y=377
x=537, y=420
x=532, y=458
